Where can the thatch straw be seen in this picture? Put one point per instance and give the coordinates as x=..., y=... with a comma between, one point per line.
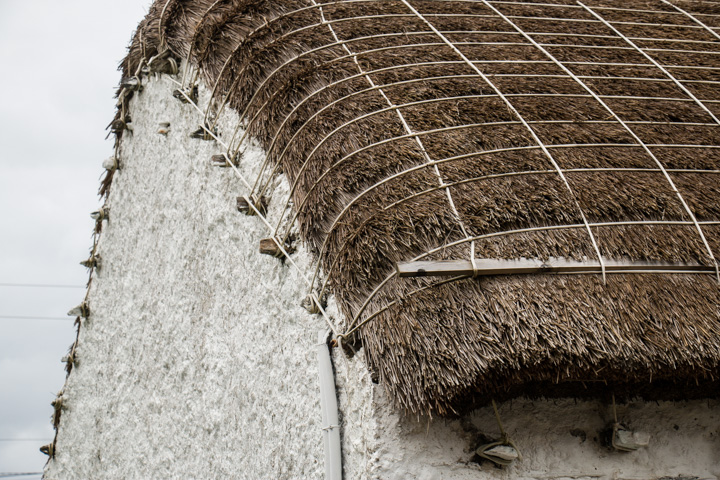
x=444, y=348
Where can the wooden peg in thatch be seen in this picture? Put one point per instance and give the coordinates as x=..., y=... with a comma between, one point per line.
x=81, y=310
x=100, y=215
x=48, y=449
x=187, y=95
x=132, y=84
x=112, y=163
x=260, y=204
x=57, y=405
x=118, y=126
x=69, y=359
x=163, y=63
x=313, y=304
x=92, y=262
x=203, y=133
x=271, y=246
x=221, y=161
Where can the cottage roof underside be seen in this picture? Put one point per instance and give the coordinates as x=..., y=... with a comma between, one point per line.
x=418, y=129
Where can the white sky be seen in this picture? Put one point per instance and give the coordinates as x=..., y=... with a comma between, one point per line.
x=58, y=73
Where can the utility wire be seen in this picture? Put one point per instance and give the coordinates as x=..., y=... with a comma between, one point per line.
x=19, y=317
x=38, y=285
x=23, y=439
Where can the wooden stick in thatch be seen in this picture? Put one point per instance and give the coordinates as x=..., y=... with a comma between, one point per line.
x=488, y=266
x=260, y=205
x=271, y=246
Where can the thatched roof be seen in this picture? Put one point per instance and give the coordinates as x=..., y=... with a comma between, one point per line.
x=409, y=127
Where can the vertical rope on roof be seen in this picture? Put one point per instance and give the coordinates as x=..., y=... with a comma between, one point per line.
x=693, y=18
x=521, y=118
x=353, y=326
x=161, y=27
x=193, y=40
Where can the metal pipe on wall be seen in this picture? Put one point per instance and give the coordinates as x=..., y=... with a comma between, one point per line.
x=328, y=403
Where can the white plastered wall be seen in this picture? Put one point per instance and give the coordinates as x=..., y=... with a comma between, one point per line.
x=197, y=360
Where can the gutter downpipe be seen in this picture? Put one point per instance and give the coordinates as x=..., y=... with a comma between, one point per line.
x=328, y=403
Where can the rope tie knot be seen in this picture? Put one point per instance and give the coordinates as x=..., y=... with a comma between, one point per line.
x=473, y=261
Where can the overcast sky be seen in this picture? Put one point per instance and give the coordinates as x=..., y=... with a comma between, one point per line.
x=58, y=64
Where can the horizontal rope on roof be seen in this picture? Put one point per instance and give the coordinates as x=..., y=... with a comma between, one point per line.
x=358, y=39
x=364, y=52
x=232, y=148
x=367, y=17
x=392, y=205
x=298, y=131
x=301, y=205
x=616, y=9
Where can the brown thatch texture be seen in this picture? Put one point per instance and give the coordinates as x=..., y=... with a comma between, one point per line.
x=441, y=348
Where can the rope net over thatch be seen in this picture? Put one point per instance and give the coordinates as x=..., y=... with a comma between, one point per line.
x=418, y=129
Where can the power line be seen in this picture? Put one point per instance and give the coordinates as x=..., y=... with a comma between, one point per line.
x=38, y=285
x=19, y=317
x=23, y=439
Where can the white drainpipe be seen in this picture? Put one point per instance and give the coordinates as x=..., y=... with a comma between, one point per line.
x=328, y=403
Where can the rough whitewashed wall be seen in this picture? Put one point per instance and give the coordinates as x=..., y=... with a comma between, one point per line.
x=197, y=360
x=559, y=439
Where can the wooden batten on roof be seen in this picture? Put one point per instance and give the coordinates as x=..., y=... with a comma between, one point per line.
x=489, y=266
x=575, y=130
